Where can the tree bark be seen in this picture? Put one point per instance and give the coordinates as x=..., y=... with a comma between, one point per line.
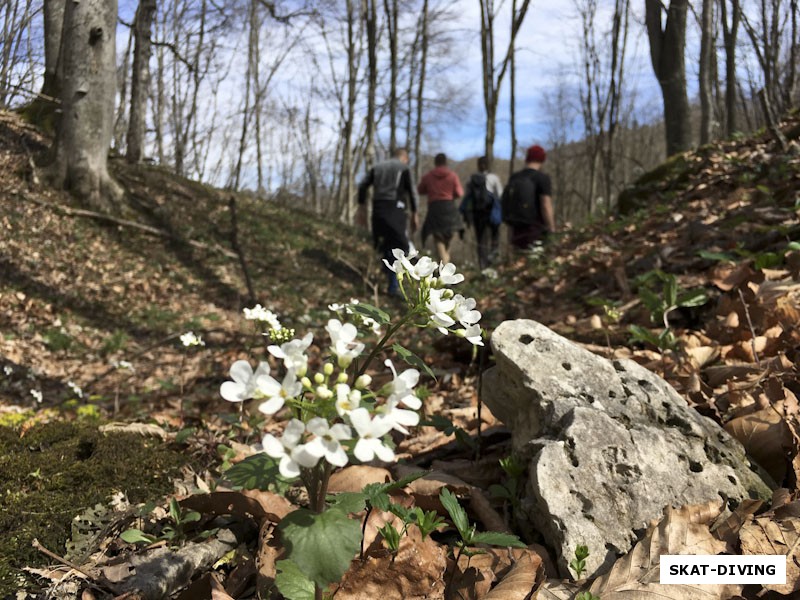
x=140, y=78
x=729, y=36
x=706, y=51
x=667, y=45
x=53, y=25
x=371, y=20
x=423, y=64
x=87, y=100
x=391, y=9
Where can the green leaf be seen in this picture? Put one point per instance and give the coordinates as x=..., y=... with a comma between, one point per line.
x=349, y=502
x=184, y=434
x=291, y=582
x=717, y=256
x=257, y=472
x=793, y=246
x=768, y=260
x=412, y=359
x=670, y=290
x=136, y=536
x=692, y=298
x=321, y=544
x=499, y=491
x=372, y=312
x=496, y=538
x=457, y=514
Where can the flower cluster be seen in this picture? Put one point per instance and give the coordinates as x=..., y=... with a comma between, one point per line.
x=426, y=281
x=335, y=414
x=189, y=339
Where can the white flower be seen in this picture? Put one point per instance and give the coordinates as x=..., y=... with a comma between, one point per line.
x=464, y=311
x=189, y=339
x=8, y=370
x=37, y=395
x=402, y=387
x=346, y=399
x=448, y=275
x=490, y=273
x=122, y=364
x=244, y=385
x=424, y=268
x=259, y=313
x=328, y=441
x=293, y=354
x=439, y=307
x=75, y=389
x=335, y=307
x=399, y=418
x=370, y=431
x=343, y=341
x=277, y=393
x=472, y=334
x=402, y=263
x=291, y=453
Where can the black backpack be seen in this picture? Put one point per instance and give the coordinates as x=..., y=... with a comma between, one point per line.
x=521, y=201
x=481, y=197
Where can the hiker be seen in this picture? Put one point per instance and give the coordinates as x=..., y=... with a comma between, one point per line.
x=528, y=204
x=481, y=209
x=443, y=188
x=393, y=191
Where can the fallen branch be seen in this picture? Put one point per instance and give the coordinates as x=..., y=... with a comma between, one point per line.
x=80, y=212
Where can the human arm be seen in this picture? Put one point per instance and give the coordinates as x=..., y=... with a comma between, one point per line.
x=547, y=213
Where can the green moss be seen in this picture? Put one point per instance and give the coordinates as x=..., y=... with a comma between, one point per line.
x=56, y=470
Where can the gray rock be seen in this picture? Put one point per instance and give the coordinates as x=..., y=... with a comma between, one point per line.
x=609, y=444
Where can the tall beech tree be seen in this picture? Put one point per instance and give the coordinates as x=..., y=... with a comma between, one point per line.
x=666, y=30
x=87, y=60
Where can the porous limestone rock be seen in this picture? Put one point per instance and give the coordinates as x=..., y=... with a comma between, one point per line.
x=609, y=443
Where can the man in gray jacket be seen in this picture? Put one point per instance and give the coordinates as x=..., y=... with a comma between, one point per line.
x=393, y=191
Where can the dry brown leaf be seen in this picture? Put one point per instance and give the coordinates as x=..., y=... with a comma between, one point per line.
x=702, y=355
x=416, y=573
x=474, y=576
x=356, y=477
x=776, y=535
x=553, y=589
x=266, y=557
x=684, y=530
x=487, y=515
x=143, y=429
x=764, y=434
x=727, y=276
x=521, y=582
x=727, y=529
x=256, y=504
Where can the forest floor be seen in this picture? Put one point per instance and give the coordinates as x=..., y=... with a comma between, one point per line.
x=701, y=284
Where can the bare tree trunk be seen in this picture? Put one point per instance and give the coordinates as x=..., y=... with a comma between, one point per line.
x=667, y=45
x=352, y=76
x=513, y=99
x=729, y=36
x=371, y=20
x=53, y=26
x=140, y=78
x=706, y=51
x=87, y=100
x=120, y=126
x=391, y=9
x=423, y=64
x=492, y=83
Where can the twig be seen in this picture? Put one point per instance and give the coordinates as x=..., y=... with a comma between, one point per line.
x=36, y=544
x=750, y=325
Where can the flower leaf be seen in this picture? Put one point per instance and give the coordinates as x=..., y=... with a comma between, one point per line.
x=412, y=359
x=372, y=312
x=457, y=514
x=257, y=472
x=136, y=536
x=291, y=582
x=349, y=502
x=321, y=544
x=496, y=538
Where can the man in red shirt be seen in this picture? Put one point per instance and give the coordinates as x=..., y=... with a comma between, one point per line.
x=442, y=187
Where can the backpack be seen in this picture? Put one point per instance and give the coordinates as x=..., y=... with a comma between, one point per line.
x=481, y=197
x=521, y=201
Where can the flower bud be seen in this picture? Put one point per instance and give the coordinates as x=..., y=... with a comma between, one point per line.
x=328, y=369
x=319, y=378
x=306, y=382
x=363, y=381
x=323, y=392
x=342, y=378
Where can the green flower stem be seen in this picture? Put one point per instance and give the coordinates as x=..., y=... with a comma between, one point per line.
x=384, y=340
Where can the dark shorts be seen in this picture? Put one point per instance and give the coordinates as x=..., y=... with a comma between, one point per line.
x=442, y=221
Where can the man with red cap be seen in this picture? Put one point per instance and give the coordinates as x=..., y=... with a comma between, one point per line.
x=528, y=202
